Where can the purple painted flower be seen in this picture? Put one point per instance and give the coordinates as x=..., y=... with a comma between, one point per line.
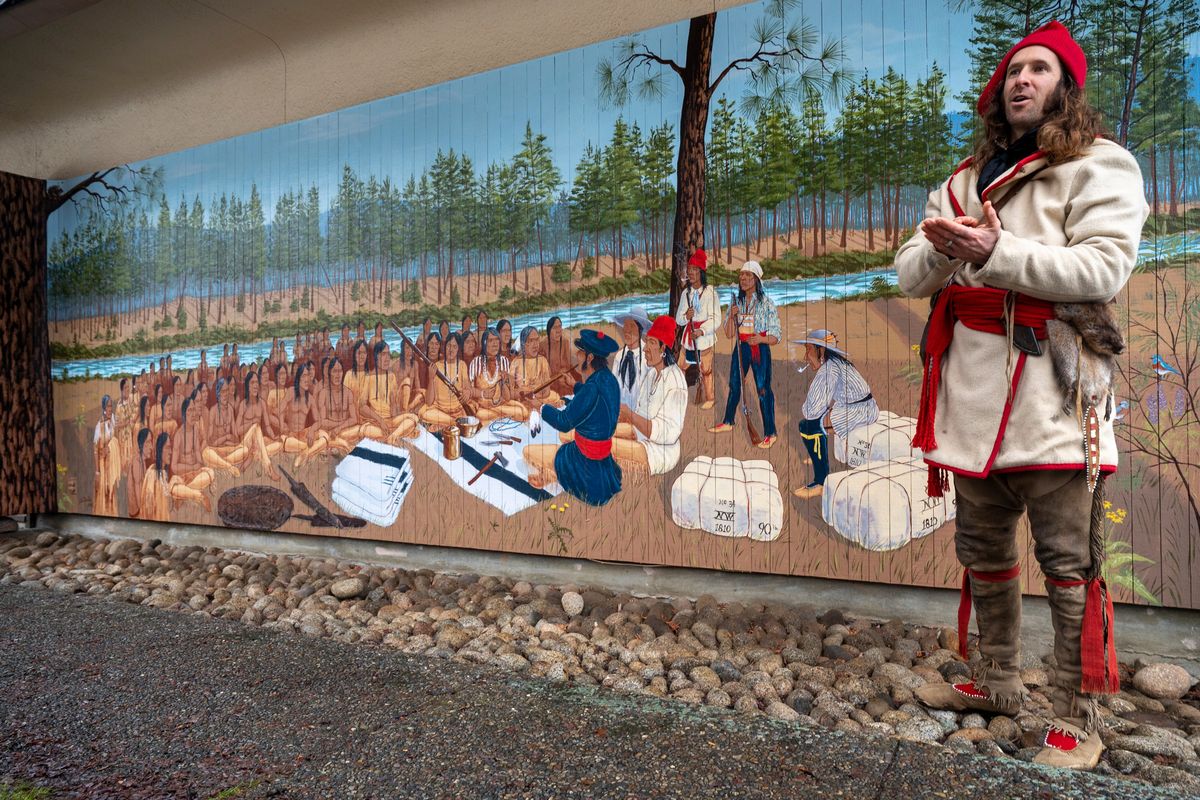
x=1156, y=402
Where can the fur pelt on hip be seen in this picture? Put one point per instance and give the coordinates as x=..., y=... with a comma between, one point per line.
x=1085, y=340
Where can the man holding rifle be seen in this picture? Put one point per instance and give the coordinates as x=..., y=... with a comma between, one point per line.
x=754, y=321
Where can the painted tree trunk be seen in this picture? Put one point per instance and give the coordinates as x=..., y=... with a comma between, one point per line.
x=690, y=169
x=814, y=227
x=845, y=216
x=1173, y=191
x=27, y=473
x=870, y=221
x=823, y=226
x=799, y=223
x=1154, y=181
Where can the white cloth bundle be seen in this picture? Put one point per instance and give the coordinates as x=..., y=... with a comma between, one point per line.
x=373, y=464
x=356, y=502
x=887, y=439
x=727, y=497
x=882, y=505
x=373, y=481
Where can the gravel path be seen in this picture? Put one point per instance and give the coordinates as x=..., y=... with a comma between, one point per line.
x=125, y=700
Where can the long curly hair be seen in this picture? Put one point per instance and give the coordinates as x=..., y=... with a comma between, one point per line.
x=1068, y=129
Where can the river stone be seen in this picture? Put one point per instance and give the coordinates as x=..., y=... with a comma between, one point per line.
x=1151, y=741
x=514, y=661
x=233, y=572
x=572, y=603
x=726, y=669
x=1162, y=775
x=1189, y=715
x=705, y=678
x=920, y=729
x=891, y=674
x=1005, y=728
x=1163, y=681
x=856, y=691
x=848, y=726
x=832, y=617
x=973, y=721
x=779, y=710
x=746, y=704
x=947, y=719
x=719, y=698
x=348, y=588
x=453, y=638
x=972, y=735
x=1126, y=762
x=960, y=745
x=1143, y=702
x=1118, y=704
x=162, y=600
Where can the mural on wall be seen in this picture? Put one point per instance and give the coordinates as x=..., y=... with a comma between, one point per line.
x=422, y=319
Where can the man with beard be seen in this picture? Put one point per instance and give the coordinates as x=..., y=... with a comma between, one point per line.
x=993, y=410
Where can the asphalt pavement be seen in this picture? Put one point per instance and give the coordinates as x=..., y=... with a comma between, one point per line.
x=101, y=699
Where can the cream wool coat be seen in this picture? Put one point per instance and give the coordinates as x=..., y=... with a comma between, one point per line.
x=1070, y=234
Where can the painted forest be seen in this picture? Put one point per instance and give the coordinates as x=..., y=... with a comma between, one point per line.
x=797, y=162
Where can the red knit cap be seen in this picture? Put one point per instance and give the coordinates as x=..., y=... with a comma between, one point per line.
x=663, y=329
x=1052, y=36
x=699, y=259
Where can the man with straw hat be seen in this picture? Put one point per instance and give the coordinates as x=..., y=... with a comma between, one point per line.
x=838, y=398
x=991, y=410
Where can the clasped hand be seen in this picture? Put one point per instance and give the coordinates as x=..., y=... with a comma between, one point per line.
x=965, y=238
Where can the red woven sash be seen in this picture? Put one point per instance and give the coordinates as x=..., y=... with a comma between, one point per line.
x=980, y=309
x=1097, y=644
x=754, y=351
x=593, y=449
x=964, y=600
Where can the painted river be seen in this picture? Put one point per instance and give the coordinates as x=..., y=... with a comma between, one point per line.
x=783, y=292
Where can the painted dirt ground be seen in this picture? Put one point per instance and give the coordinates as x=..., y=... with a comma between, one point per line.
x=1155, y=514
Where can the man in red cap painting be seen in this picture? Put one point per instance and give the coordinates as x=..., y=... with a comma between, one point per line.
x=699, y=312
x=647, y=435
x=1045, y=217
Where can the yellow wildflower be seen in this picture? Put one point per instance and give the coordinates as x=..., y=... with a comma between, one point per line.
x=1107, y=505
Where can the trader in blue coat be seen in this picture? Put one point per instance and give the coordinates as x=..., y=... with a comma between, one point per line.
x=583, y=465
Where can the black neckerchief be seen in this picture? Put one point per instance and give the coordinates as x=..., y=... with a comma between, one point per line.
x=1005, y=159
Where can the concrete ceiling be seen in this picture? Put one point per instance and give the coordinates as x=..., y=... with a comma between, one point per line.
x=85, y=84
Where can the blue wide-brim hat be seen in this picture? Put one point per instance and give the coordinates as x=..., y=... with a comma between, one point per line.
x=637, y=314
x=596, y=342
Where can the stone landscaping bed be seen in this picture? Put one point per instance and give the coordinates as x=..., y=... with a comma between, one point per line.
x=798, y=664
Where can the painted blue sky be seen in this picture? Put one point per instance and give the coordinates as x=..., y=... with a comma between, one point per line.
x=484, y=115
